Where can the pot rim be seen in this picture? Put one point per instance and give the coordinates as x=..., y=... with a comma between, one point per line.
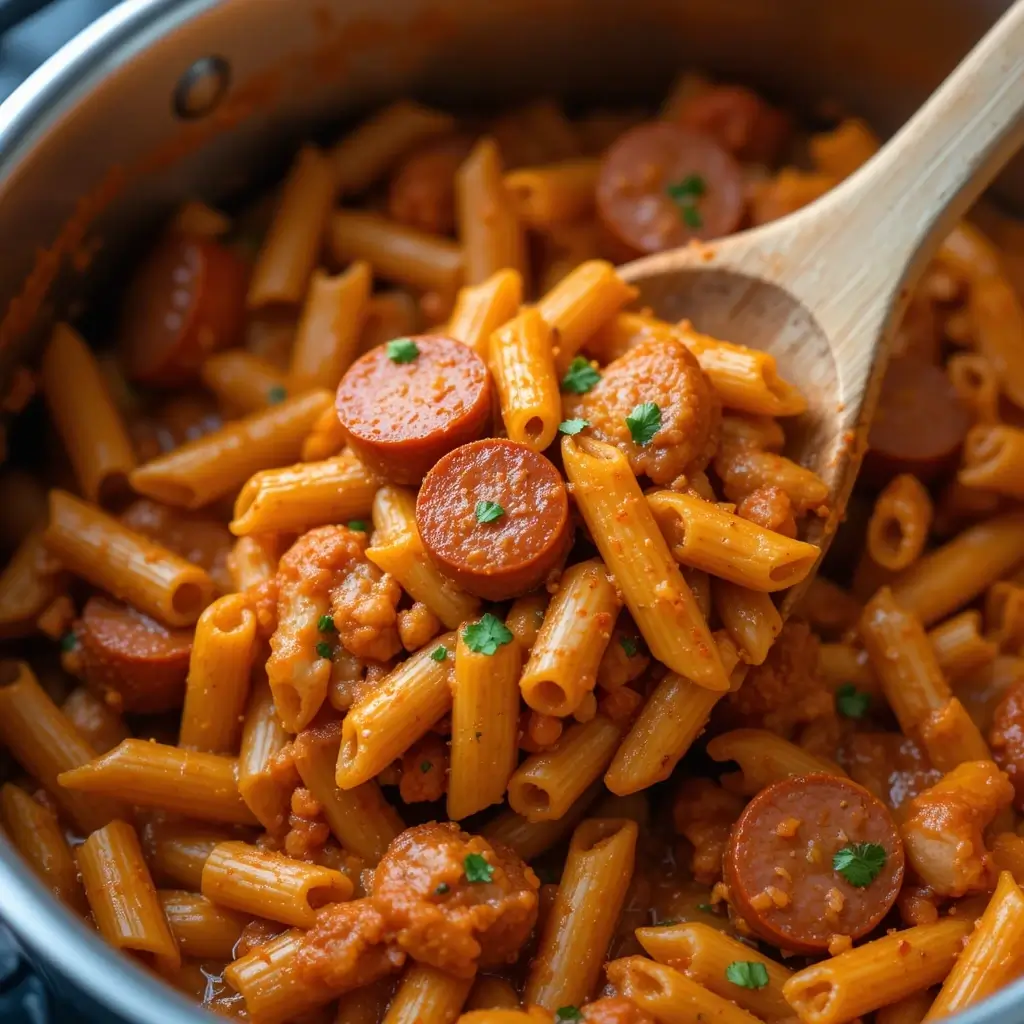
x=51, y=932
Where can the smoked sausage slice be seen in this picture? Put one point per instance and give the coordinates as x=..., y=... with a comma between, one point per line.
x=186, y=301
x=135, y=663
x=494, y=516
x=422, y=189
x=920, y=423
x=661, y=185
x=779, y=862
x=405, y=404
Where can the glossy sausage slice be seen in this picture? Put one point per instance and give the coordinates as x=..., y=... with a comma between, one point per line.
x=401, y=417
x=778, y=864
x=739, y=121
x=186, y=301
x=661, y=185
x=422, y=189
x=512, y=554
x=134, y=662
x=920, y=424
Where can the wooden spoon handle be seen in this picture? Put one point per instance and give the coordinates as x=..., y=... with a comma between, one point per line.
x=880, y=226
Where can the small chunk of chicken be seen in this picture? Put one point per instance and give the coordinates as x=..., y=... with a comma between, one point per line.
x=705, y=813
x=943, y=832
x=615, y=1010
x=425, y=891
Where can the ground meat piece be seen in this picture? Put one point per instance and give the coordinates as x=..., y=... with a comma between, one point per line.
x=1006, y=738
x=615, y=1010
x=438, y=915
x=424, y=770
x=365, y=612
x=786, y=690
x=417, y=626
x=666, y=373
x=347, y=948
x=771, y=508
x=705, y=813
x=307, y=832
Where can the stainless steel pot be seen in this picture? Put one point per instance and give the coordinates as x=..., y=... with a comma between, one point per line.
x=163, y=99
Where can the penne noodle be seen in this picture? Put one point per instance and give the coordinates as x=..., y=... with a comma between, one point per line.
x=485, y=726
x=877, y=973
x=525, y=618
x=325, y=438
x=201, y=928
x=960, y=648
x=492, y=236
x=580, y=305
x=177, y=852
x=263, y=790
x=29, y=583
x=567, y=652
x=481, y=309
x=522, y=362
x=266, y=884
x=297, y=498
x=198, y=785
x=993, y=459
x=490, y=992
x=580, y=925
x=704, y=953
x=899, y=524
x=426, y=995
x=217, y=687
x=327, y=338
x=976, y=384
x=132, y=567
x=627, y=536
x=396, y=253
x=242, y=382
x=403, y=706
x=908, y=1010
x=291, y=247
x=87, y=420
x=253, y=560
x=122, y=897
x=46, y=744
x=555, y=193
x=219, y=463
x=546, y=785
x=701, y=534
x=749, y=617
x=764, y=758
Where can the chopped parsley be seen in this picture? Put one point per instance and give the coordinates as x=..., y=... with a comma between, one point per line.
x=580, y=377
x=276, y=395
x=425, y=766
x=403, y=350
x=358, y=525
x=324, y=650
x=567, y=1013
x=860, y=863
x=488, y=511
x=68, y=642
x=685, y=194
x=851, y=702
x=644, y=422
x=630, y=645
x=487, y=635
x=705, y=908
x=326, y=624
x=442, y=889
x=477, y=869
x=572, y=426
x=747, y=974
x=439, y=653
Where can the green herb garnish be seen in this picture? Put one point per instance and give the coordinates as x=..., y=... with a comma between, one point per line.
x=572, y=427
x=488, y=511
x=851, y=702
x=747, y=974
x=324, y=650
x=644, y=422
x=860, y=863
x=403, y=350
x=439, y=653
x=580, y=377
x=486, y=635
x=477, y=869
x=276, y=395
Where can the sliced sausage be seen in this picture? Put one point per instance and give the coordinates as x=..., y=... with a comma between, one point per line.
x=402, y=408
x=422, y=189
x=779, y=862
x=1006, y=738
x=186, y=301
x=666, y=373
x=661, y=185
x=919, y=425
x=135, y=663
x=739, y=121
x=512, y=553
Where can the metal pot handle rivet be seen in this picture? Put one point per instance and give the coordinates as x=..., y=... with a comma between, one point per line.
x=201, y=87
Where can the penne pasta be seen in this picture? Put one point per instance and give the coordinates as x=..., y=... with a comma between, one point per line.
x=993, y=459
x=749, y=617
x=764, y=758
x=426, y=995
x=263, y=790
x=899, y=524
x=201, y=928
x=481, y=309
x=554, y=193
x=242, y=382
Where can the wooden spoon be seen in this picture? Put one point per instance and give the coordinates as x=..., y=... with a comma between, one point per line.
x=824, y=288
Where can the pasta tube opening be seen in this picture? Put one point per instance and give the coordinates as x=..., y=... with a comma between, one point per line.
x=647, y=980
x=188, y=599
x=534, y=799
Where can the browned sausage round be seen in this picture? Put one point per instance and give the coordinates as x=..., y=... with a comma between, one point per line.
x=739, y=121
x=662, y=185
x=422, y=190
x=920, y=424
x=403, y=407
x=1006, y=737
x=779, y=862
x=134, y=662
x=186, y=301
x=515, y=551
